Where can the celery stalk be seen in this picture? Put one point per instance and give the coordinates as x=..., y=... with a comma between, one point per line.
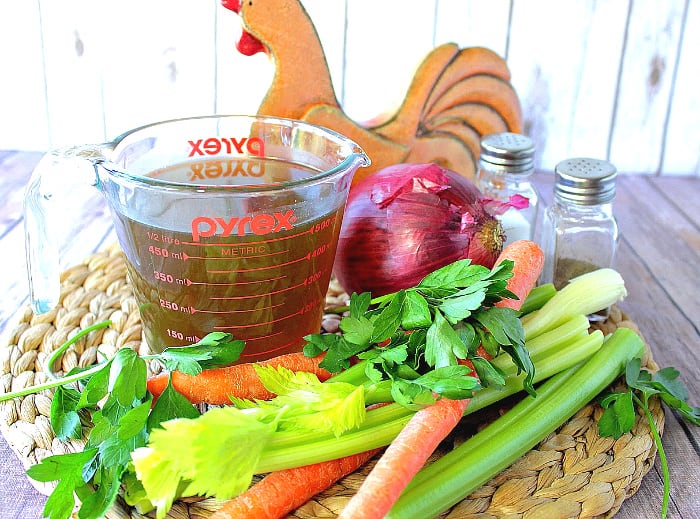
x=583, y=295
x=483, y=437
x=568, y=344
x=470, y=467
x=552, y=340
x=288, y=449
x=537, y=297
x=546, y=367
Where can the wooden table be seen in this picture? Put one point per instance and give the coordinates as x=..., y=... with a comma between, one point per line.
x=659, y=258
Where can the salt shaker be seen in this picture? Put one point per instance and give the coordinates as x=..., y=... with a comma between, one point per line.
x=505, y=166
x=579, y=229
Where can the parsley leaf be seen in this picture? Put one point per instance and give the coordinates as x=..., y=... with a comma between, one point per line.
x=460, y=273
x=437, y=323
x=127, y=377
x=389, y=319
x=442, y=344
x=619, y=415
x=506, y=329
x=68, y=470
x=65, y=420
x=214, y=350
x=357, y=330
x=170, y=404
x=415, y=312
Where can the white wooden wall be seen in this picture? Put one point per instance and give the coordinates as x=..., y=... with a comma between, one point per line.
x=614, y=79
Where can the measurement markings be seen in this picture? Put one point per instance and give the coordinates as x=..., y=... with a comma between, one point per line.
x=271, y=240
x=253, y=325
x=235, y=283
x=254, y=296
x=260, y=338
x=237, y=311
x=292, y=262
x=186, y=256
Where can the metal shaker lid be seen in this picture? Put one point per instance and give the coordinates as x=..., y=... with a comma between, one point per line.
x=585, y=181
x=507, y=152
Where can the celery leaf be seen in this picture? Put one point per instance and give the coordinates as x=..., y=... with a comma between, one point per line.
x=303, y=402
x=214, y=454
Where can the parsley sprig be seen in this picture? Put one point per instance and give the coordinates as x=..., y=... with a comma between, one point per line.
x=110, y=407
x=619, y=415
x=417, y=337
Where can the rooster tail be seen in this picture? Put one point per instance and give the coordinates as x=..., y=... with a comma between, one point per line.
x=456, y=97
x=402, y=126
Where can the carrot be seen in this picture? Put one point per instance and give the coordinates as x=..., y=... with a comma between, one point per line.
x=412, y=447
x=404, y=457
x=216, y=386
x=280, y=492
x=528, y=260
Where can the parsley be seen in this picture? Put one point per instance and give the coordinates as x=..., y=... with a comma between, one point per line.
x=437, y=324
x=113, y=408
x=619, y=415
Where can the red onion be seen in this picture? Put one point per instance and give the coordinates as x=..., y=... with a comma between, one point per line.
x=406, y=220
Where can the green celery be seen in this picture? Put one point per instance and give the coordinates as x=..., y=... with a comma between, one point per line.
x=537, y=297
x=583, y=295
x=330, y=447
x=483, y=437
x=287, y=449
x=554, y=342
x=551, y=341
x=473, y=463
x=547, y=367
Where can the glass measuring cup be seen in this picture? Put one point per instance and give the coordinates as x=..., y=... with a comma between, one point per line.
x=227, y=223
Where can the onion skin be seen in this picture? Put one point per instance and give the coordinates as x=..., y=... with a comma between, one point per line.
x=407, y=220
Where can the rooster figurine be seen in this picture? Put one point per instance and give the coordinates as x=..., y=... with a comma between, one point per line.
x=456, y=95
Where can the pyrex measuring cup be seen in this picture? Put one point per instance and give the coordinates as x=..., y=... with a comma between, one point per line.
x=228, y=223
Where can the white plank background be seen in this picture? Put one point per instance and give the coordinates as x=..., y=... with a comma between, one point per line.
x=612, y=79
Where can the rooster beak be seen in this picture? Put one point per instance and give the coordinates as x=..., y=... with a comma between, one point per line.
x=233, y=5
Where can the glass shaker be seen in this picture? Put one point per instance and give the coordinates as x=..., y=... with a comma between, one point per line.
x=579, y=230
x=505, y=166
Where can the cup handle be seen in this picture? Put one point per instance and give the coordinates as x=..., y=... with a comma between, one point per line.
x=55, y=175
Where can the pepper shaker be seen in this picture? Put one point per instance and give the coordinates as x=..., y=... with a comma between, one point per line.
x=505, y=166
x=579, y=229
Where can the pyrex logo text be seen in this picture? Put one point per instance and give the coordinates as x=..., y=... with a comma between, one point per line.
x=260, y=224
x=215, y=145
x=218, y=168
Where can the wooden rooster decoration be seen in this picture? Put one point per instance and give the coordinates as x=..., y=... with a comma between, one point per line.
x=455, y=97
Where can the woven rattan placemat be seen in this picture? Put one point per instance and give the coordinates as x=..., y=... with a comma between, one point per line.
x=573, y=473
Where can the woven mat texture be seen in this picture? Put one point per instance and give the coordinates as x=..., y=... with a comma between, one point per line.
x=573, y=473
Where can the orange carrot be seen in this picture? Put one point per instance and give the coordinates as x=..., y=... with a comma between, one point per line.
x=280, y=492
x=411, y=448
x=216, y=386
x=404, y=457
x=528, y=260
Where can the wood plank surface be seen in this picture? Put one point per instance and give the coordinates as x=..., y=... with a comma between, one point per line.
x=658, y=256
x=645, y=86
x=565, y=98
x=682, y=140
x=607, y=78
